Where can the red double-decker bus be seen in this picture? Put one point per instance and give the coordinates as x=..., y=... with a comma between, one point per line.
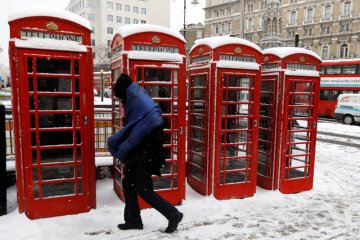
x=337, y=77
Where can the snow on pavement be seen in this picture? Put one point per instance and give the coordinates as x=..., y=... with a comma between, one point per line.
x=330, y=211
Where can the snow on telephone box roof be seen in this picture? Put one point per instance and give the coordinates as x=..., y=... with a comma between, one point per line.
x=283, y=52
x=132, y=29
x=218, y=41
x=50, y=12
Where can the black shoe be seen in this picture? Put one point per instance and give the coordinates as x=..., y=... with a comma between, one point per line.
x=173, y=224
x=126, y=226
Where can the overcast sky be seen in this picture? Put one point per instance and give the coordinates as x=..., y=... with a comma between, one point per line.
x=8, y=7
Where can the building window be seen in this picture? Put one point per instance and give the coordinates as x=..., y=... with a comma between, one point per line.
x=118, y=19
x=249, y=25
x=110, y=30
x=94, y=55
x=344, y=50
x=309, y=14
x=199, y=34
x=118, y=6
x=92, y=29
x=228, y=11
x=325, y=52
x=127, y=8
x=108, y=43
x=92, y=42
x=91, y=4
x=90, y=16
x=346, y=9
x=135, y=10
x=216, y=13
x=308, y=31
x=135, y=21
x=345, y=26
x=143, y=11
x=127, y=20
x=250, y=7
x=110, y=5
x=325, y=30
x=109, y=54
x=110, y=18
x=143, y=21
x=293, y=18
x=229, y=27
x=327, y=12
x=222, y=12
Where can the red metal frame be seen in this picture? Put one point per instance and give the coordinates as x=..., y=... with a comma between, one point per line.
x=39, y=176
x=171, y=185
x=226, y=173
x=288, y=123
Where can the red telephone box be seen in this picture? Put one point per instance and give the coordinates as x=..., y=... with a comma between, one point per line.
x=288, y=117
x=52, y=97
x=224, y=81
x=154, y=57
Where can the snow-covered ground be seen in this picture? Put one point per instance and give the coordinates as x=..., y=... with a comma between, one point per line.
x=330, y=211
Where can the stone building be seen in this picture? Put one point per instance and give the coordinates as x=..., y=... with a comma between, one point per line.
x=328, y=27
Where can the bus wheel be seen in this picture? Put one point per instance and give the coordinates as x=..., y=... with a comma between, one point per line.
x=348, y=119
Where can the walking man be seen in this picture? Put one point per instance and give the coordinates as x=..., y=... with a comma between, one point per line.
x=139, y=146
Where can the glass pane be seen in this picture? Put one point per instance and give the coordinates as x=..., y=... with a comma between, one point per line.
x=56, y=155
x=36, y=191
x=57, y=172
x=35, y=174
x=79, y=171
x=165, y=106
x=46, y=65
x=58, y=189
x=76, y=67
x=34, y=156
x=77, y=102
x=236, y=95
x=54, y=102
x=30, y=65
x=157, y=75
x=197, y=134
x=78, y=137
x=80, y=189
x=47, y=138
x=162, y=183
x=53, y=84
x=236, y=137
x=159, y=91
x=196, y=172
x=235, y=123
x=31, y=84
x=232, y=177
x=52, y=120
x=198, y=81
x=267, y=86
x=198, y=94
x=238, y=81
x=167, y=122
x=77, y=87
x=197, y=120
x=301, y=87
x=78, y=154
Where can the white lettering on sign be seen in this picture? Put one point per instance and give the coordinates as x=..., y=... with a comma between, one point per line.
x=150, y=48
x=269, y=66
x=340, y=82
x=204, y=58
x=46, y=35
x=237, y=58
x=294, y=66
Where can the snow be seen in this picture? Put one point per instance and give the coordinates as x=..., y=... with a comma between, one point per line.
x=53, y=44
x=131, y=29
x=156, y=56
x=237, y=65
x=329, y=211
x=304, y=73
x=215, y=42
x=283, y=52
x=50, y=12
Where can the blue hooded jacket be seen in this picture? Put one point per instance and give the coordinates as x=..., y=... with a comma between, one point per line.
x=142, y=115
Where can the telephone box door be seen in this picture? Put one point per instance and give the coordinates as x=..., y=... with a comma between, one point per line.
x=236, y=137
x=163, y=85
x=298, y=141
x=267, y=169
x=198, y=155
x=54, y=132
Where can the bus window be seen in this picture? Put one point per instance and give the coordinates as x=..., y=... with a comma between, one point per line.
x=329, y=95
x=349, y=69
x=322, y=70
x=333, y=70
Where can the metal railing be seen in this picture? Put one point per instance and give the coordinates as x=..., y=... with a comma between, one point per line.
x=102, y=131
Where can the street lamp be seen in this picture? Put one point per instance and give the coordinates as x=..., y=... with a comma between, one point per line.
x=102, y=85
x=194, y=3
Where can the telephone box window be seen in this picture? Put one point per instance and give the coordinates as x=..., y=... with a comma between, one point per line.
x=58, y=189
x=45, y=65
